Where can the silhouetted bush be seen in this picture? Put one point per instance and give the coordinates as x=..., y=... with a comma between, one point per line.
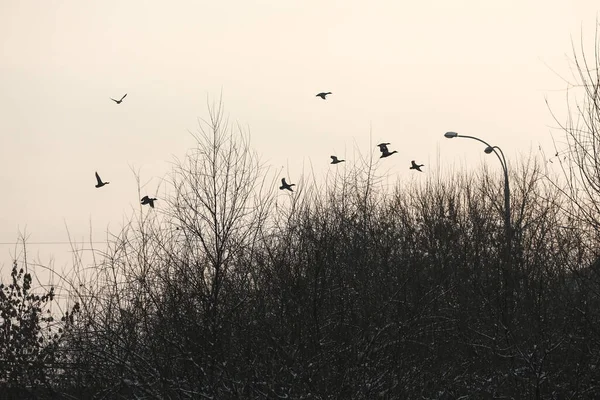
x=349, y=290
x=30, y=338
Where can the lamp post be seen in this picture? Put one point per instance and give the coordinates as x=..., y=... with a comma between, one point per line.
x=500, y=154
x=508, y=286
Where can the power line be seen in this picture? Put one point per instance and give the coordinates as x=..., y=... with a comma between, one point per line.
x=42, y=243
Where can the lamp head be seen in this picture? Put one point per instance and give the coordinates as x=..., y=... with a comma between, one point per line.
x=451, y=135
x=488, y=149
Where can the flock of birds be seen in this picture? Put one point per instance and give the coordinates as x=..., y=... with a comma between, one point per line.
x=383, y=148
x=99, y=182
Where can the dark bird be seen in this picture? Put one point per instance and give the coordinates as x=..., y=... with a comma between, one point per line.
x=148, y=200
x=285, y=185
x=416, y=166
x=383, y=146
x=323, y=95
x=119, y=101
x=384, y=150
x=334, y=160
x=100, y=183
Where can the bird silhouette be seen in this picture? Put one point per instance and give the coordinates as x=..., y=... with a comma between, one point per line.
x=100, y=183
x=383, y=146
x=384, y=150
x=285, y=185
x=416, y=166
x=148, y=200
x=119, y=101
x=334, y=160
x=323, y=95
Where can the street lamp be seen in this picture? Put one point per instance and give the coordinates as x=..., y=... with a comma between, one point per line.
x=508, y=283
x=500, y=154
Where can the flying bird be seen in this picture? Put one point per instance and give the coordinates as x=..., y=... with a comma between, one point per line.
x=100, y=183
x=119, y=101
x=323, y=95
x=416, y=166
x=383, y=146
x=148, y=200
x=384, y=150
x=285, y=185
x=334, y=160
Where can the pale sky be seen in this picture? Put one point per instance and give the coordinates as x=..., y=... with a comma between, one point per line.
x=411, y=70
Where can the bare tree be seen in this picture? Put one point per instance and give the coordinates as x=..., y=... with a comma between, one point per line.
x=221, y=202
x=580, y=161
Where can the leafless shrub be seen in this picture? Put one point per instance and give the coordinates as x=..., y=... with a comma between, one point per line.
x=343, y=290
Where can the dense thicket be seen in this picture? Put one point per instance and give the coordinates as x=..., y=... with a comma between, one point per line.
x=344, y=291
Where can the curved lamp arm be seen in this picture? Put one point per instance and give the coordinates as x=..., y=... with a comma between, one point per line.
x=502, y=160
x=500, y=154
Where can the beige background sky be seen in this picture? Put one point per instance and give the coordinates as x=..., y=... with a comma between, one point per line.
x=410, y=69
